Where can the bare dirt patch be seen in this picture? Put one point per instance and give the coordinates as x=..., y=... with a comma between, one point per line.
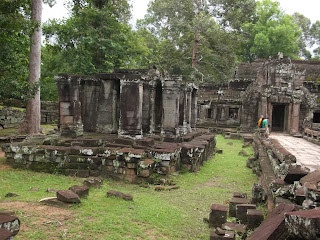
x=34, y=216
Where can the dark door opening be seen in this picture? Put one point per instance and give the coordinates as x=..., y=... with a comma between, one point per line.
x=278, y=117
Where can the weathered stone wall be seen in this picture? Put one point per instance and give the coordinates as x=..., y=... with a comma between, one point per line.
x=12, y=117
x=120, y=158
x=131, y=103
x=262, y=88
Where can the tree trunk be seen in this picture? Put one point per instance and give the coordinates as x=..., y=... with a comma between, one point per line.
x=195, y=49
x=196, y=38
x=31, y=124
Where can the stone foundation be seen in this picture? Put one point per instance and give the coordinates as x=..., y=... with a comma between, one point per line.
x=110, y=156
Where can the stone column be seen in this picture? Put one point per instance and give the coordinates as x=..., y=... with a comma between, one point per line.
x=264, y=104
x=295, y=118
x=194, y=109
x=70, y=120
x=170, y=98
x=106, y=114
x=289, y=120
x=131, y=97
x=269, y=114
x=152, y=106
x=188, y=108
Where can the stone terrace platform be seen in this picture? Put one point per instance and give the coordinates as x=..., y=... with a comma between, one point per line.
x=112, y=156
x=307, y=154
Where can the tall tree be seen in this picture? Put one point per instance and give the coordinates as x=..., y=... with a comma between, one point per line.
x=15, y=28
x=271, y=32
x=305, y=39
x=185, y=45
x=31, y=124
x=96, y=37
x=315, y=34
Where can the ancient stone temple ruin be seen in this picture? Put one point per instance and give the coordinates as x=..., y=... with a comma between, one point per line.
x=130, y=124
x=131, y=103
x=285, y=90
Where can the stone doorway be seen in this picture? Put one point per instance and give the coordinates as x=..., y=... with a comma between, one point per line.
x=279, y=116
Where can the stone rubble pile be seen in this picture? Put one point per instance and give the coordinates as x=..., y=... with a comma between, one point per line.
x=112, y=156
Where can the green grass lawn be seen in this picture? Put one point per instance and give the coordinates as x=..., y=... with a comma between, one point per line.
x=176, y=214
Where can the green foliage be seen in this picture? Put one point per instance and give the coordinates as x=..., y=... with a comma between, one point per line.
x=169, y=30
x=15, y=28
x=271, y=32
x=305, y=38
x=96, y=38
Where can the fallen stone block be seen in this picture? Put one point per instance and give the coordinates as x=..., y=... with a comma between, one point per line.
x=239, y=195
x=220, y=151
x=299, y=195
x=295, y=173
x=51, y=190
x=218, y=215
x=11, y=223
x=53, y=201
x=118, y=194
x=228, y=235
x=6, y=234
x=68, y=196
x=273, y=227
x=235, y=227
x=80, y=190
x=93, y=182
x=233, y=204
x=255, y=218
x=313, y=177
x=303, y=224
x=242, y=211
x=159, y=188
x=172, y=188
x=11, y=195
x=258, y=194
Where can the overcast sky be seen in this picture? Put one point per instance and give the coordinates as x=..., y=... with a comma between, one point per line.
x=309, y=8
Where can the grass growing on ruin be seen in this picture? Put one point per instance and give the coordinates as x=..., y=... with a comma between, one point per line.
x=15, y=131
x=176, y=214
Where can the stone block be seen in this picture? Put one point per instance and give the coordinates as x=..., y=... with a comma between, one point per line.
x=93, y=182
x=254, y=217
x=303, y=224
x=233, y=204
x=118, y=194
x=235, y=227
x=11, y=223
x=68, y=196
x=83, y=173
x=313, y=177
x=258, y=194
x=295, y=173
x=159, y=188
x=242, y=211
x=228, y=235
x=145, y=173
x=273, y=227
x=94, y=173
x=218, y=215
x=239, y=195
x=6, y=234
x=71, y=172
x=219, y=151
x=80, y=190
x=130, y=171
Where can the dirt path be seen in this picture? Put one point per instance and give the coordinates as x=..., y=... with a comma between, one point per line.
x=34, y=217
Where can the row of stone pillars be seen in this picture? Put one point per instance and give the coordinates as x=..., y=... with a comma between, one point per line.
x=131, y=105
